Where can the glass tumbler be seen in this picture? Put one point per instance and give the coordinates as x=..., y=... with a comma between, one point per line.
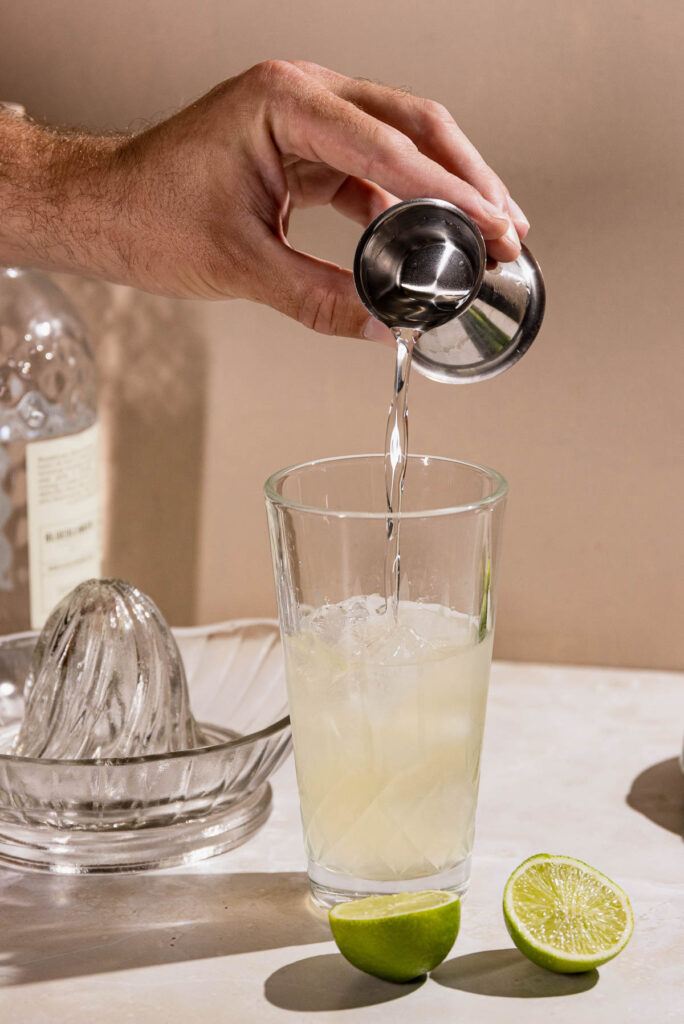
x=387, y=693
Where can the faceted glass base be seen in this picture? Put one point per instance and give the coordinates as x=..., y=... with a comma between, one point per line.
x=138, y=813
x=82, y=852
x=329, y=888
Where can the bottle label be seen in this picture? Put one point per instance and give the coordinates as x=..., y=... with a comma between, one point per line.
x=63, y=517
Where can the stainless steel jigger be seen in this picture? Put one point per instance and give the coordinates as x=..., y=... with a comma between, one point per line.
x=422, y=265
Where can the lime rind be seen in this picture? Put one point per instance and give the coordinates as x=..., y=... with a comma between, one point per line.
x=397, y=938
x=565, y=915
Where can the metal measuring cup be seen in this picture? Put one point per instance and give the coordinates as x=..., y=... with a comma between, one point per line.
x=422, y=264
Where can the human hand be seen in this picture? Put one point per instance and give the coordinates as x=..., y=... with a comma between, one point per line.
x=199, y=205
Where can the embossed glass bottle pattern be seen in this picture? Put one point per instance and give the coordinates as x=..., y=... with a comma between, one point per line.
x=49, y=508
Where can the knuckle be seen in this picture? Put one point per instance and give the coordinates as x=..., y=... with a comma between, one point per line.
x=496, y=190
x=431, y=115
x=269, y=73
x=437, y=113
x=319, y=310
x=386, y=145
x=433, y=120
x=306, y=66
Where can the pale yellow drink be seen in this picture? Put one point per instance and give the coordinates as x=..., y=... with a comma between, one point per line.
x=387, y=721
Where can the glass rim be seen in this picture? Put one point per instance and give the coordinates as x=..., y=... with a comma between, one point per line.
x=500, y=491
x=223, y=746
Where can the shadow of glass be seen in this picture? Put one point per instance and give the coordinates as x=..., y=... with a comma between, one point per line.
x=658, y=794
x=507, y=973
x=328, y=982
x=62, y=927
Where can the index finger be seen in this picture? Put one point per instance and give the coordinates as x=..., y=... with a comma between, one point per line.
x=432, y=129
x=319, y=125
x=427, y=123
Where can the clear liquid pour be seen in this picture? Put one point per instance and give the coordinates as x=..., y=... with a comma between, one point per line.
x=396, y=453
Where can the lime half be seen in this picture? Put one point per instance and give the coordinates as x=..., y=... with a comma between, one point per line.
x=564, y=915
x=398, y=938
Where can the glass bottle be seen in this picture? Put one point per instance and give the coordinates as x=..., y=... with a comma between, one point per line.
x=50, y=534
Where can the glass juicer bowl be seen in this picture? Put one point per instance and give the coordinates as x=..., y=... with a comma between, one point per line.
x=109, y=814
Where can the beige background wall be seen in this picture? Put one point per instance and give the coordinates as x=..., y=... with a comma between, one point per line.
x=576, y=107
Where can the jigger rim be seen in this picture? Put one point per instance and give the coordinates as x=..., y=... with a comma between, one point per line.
x=391, y=213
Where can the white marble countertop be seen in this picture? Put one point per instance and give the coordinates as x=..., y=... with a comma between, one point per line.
x=578, y=761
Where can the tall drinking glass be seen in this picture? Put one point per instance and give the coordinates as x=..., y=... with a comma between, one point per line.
x=387, y=699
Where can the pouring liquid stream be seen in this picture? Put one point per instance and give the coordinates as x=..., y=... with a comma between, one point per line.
x=396, y=453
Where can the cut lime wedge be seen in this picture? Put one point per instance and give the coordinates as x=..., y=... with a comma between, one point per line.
x=398, y=938
x=564, y=915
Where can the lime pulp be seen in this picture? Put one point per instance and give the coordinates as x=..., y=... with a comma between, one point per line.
x=565, y=915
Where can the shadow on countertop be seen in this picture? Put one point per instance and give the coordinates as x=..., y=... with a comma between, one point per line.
x=55, y=926
x=506, y=972
x=658, y=793
x=327, y=982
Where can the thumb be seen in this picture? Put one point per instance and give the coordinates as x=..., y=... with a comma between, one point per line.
x=317, y=293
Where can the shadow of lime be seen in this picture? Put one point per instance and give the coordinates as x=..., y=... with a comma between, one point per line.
x=327, y=982
x=508, y=974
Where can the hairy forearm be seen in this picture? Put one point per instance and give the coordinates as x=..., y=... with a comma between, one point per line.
x=130, y=209
x=197, y=206
x=60, y=208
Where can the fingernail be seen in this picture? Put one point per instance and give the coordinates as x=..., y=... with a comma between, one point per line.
x=517, y=212
x=493, y=211
x=373, y=330
x=512, y=236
